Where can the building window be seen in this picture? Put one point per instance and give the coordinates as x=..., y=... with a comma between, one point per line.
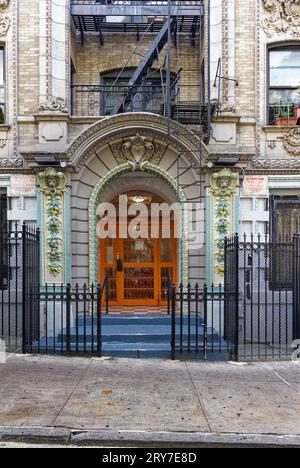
x=285, y=223
x=3, y=243
x=146, y=97
x=2, y=87
x=284, y=86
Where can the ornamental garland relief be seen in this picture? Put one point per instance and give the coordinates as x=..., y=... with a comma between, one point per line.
x=52, y=186
x=283, y=16
x=223, y=191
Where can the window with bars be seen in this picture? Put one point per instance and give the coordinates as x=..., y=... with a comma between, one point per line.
x=285, y=224
x=3, y=243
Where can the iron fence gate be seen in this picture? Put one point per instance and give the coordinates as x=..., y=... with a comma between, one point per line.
x=262, y=319
x=198, y=326
x=66, y=320
x=19, y=256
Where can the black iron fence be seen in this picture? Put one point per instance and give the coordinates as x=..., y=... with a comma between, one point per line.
x=198, y=327
x=254, y=315
x=265, y=312
x=19, y=255
x=66, y=320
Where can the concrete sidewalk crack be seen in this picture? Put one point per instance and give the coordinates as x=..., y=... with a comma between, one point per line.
x=72, y=393
x=284, y=381
x=198, y=398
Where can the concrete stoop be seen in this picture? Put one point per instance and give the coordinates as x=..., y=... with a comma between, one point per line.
x=144, y=336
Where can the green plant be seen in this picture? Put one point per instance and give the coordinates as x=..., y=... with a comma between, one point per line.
x=284, y=110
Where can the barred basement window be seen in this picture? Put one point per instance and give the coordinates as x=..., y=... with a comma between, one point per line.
x=285, y=224
x=2, y=88
x=3, y=243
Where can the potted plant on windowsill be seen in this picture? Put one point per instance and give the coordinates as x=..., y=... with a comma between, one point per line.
x=296, y=100
x=285, y=114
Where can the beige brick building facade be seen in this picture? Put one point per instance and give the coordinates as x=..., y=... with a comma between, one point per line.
x=54, y=118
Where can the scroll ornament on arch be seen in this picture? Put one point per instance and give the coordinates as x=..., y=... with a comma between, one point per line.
x=52, y=186
x=223, y=189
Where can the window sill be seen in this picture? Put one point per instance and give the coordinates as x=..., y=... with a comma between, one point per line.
x=5, y=127
x=276, y=128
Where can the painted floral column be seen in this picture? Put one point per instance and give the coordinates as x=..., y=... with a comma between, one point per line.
x=52, y=188
x=223, y=193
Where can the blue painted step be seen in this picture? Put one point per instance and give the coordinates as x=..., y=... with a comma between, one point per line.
x=138, y=336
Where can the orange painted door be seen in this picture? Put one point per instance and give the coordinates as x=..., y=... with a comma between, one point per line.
x=138, y=270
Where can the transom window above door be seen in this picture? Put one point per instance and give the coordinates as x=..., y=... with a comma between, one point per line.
x=284, y=86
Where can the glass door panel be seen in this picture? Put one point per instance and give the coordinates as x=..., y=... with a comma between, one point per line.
x=112, y=284
x=139, y=284
x=138, y=251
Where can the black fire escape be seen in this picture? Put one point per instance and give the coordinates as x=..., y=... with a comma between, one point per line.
x=166, y=22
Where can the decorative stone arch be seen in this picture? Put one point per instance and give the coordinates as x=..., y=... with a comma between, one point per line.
x=143, y=141
x=185, y=141
x=96, y=198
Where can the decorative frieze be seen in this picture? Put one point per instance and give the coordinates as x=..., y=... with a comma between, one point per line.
x=282, y=16
x=223, y=192
x=6, y=163
x=52, y=187
x=281, y=164
x=53, y=104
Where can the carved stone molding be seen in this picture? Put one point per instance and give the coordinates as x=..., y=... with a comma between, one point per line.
x=52, y=182
x=116, y=129
x=291, y=142
x=54, y=104
x=276, y=164
x=3, y=4
x=282, y=16
x=138, y=149
x=224, y=182
x=11, y=163
x=4, y=24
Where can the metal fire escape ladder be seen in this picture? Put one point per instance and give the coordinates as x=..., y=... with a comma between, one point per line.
x=146, y=62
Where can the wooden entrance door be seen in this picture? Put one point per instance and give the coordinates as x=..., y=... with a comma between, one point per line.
x=138, y=270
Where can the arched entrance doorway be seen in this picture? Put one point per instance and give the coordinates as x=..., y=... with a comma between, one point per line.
x=142, y=258
x=125, y=153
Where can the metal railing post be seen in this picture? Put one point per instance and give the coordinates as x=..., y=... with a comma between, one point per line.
x=99, y=320
x=68, y=318
x=106, y=294
x=24, y=298
x=173, y=320
x=205, y=337
x=236, y=292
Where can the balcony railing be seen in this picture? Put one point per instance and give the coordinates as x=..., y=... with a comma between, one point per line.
x=284, y=114
x=100, y=101
x=97, y=100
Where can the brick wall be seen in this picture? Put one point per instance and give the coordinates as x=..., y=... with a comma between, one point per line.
x=28, y=57
x=92, y=59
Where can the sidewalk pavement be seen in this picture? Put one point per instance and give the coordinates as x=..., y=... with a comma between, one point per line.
x=142, y=402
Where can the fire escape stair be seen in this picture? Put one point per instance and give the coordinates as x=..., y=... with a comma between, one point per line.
x=146, y=63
